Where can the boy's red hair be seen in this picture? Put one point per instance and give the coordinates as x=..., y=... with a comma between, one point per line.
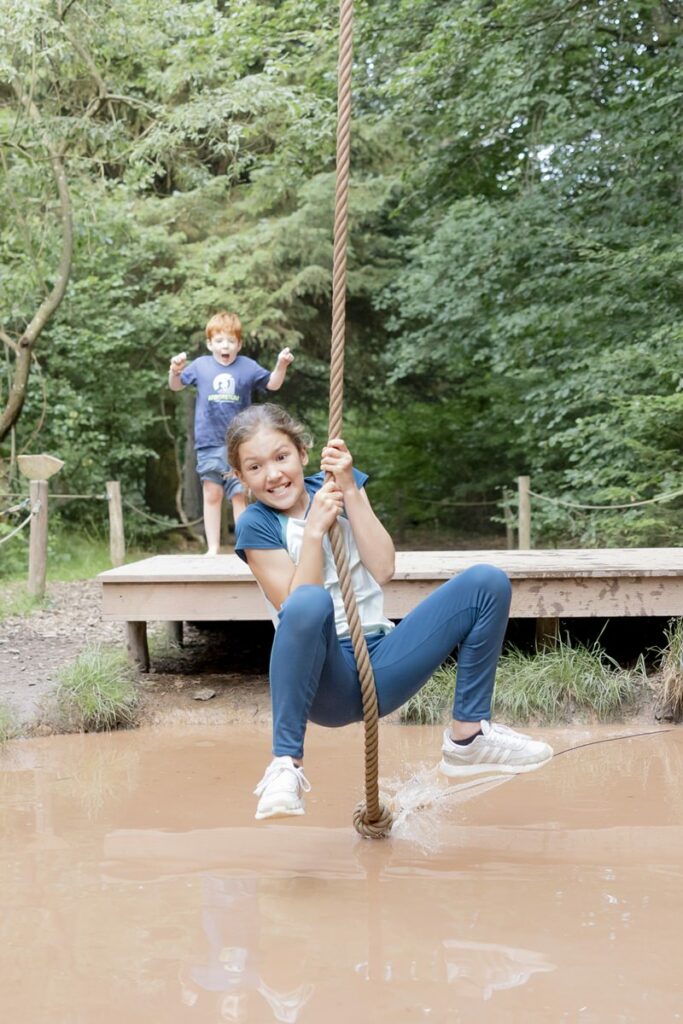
x=224, y=323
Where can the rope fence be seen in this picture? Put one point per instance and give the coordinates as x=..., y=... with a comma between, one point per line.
x=163, y=523
x=16, y=508
x=631, y=504
x=445, y=503
x=506, y=499
x=37, y=500
x=525, y=494
x=34, y=511
x=94, y=497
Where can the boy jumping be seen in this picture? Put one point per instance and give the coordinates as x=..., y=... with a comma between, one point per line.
x=225, y=383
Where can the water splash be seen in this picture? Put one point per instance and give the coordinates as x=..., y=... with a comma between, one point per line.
x=420, y=802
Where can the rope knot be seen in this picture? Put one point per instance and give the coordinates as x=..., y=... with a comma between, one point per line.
x=376, y=829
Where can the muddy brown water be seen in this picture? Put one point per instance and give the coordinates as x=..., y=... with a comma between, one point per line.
x=137, y=885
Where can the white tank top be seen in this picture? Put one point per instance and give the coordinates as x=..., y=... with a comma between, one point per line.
x=369, y=596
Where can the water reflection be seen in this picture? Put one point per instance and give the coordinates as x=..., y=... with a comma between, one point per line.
x=482, y=968
x=138, y=888
x=228, y=977
x=474, y=969
x=258, y=957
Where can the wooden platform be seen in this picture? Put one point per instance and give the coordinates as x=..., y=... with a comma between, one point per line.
x=546, y=585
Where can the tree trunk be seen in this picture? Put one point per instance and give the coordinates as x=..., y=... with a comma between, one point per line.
x=23, y=349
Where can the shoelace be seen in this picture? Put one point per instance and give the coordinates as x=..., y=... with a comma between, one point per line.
x=276, y=769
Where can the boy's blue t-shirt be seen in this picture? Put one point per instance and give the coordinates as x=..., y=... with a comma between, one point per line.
x=222, y=392
x=260, y=526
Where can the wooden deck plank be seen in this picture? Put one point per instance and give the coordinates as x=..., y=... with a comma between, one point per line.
x=185, y=601
x=546, y=584
x=428, y=565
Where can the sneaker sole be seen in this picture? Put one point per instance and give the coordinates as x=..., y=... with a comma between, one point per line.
x=279, y=811
x=452, y=770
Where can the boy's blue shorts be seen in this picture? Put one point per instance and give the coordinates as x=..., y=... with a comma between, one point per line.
x=212, y=464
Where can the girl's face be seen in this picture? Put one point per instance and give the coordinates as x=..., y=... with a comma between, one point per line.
x=271, y=466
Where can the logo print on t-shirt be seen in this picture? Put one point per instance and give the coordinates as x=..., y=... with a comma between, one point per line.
x=224, y=384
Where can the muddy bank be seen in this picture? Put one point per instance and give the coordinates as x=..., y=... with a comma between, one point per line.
x=218, y=677
x=232, y=663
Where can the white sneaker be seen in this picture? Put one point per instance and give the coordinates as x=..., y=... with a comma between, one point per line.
x=281, y=789
x=498, y=749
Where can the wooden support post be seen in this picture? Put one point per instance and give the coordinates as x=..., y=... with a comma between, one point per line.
x=117, y=542
x=547, y=632
x=136, y=643
x=37, y=552
x=509, y=524
x=524, y=535
x=175, y=633
x=225, y=523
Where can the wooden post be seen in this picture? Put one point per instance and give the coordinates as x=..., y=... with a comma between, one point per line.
x=547, y=632
x=136, y=642
x=37, y=552
x=524, y=534
x=225, y=523
x=117, y=541
x=509, y=526
x=174, y=632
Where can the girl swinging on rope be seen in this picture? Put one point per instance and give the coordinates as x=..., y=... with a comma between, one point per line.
x=313, y=677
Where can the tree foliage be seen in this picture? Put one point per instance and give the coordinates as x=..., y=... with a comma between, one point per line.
x=544, y=272
x=515, y=256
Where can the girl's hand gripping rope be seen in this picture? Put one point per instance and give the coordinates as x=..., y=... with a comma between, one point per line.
x=337, y=460
x=327, y=504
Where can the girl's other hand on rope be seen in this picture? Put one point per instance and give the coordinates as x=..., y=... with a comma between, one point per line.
x=327, y=504
x=337, y=460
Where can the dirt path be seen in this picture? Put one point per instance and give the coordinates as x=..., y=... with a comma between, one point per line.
x=36, y=647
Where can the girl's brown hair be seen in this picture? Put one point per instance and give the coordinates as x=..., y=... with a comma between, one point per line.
x=268, y=415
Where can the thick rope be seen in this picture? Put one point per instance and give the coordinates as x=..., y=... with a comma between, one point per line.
x=371, y=818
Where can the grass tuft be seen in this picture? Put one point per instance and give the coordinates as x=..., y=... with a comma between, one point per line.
x=16, y=600
x=97, y=692
x=670, y=696
x=8, y=723
x=556, y=683
x=429, y=705
x=77, y=556
x=552, y=685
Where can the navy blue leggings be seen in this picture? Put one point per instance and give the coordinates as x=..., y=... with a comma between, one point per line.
x=313, y=673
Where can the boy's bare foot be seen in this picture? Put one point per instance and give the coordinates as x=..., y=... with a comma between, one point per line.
x=213, y=551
